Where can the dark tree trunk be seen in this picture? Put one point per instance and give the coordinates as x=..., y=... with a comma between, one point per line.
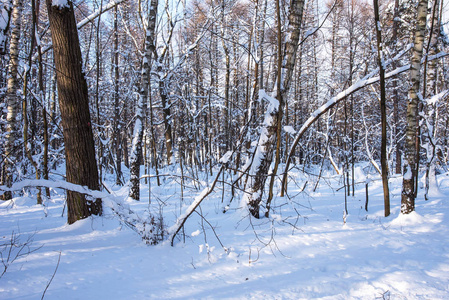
x=383, y=111
x=395, y=95
x=81, y=166
x=117, y=121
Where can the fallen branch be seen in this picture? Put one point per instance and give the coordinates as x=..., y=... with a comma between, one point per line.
x=173, y=230
x=54, y=184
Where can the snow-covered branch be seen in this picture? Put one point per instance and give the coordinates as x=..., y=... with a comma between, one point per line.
x=98, y=12
x=364, y=82
x=54, y=184
x=173, y=230
x=87, y=20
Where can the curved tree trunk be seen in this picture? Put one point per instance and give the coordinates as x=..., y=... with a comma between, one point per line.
x=81, y=165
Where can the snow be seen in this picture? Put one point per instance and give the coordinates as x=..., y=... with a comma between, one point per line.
x=310, y=32
x=369, y=257
x=289, y=129
x=273, y=102
x=379, y=26
x=408, y=173
x=411, y=219
x=435, y=98
x=3, y=21
x=60, y=3
x=95, y=14
x=226, y=157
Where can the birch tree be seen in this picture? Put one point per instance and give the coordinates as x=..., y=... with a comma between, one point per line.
x=263, y=155
x=12, y=101
x=136, y=152
x=409, y=167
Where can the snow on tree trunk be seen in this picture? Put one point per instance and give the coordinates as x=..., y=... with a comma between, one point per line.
x=136, y=150
x=409, y=168
x=264, y=154
x=12, y=100
x=430, y=106
x=273, y=117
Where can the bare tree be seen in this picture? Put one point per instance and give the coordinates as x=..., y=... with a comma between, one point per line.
x=383, y=110
x=431, y=106
x=409, y=168
x=136, y=152
x=273, y=119
x=12, y=100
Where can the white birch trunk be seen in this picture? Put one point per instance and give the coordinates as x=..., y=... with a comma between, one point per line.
x=273, y=118
x=136, y=150
x=409, y=167
x=12, y=100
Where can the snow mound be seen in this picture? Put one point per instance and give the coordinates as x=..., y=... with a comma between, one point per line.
x=410, y=219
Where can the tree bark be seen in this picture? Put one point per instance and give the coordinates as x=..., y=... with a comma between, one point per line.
x=273, y=118
x=81, y=165
x=409, y=168
x=383, y=111
x=136, y=152
x=12, y=100
x=395, y=94
x=117, y=122
x=431, y=107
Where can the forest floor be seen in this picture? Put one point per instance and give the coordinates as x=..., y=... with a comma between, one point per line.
x=307, y=249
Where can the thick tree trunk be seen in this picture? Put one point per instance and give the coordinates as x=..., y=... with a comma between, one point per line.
x=280, y=113
x=409, y=169
x=81, y=165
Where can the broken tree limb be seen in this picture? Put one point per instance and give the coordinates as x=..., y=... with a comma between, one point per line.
x=173, y=230
x=56, y=185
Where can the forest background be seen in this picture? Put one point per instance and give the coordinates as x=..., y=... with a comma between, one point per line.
x=241, y=91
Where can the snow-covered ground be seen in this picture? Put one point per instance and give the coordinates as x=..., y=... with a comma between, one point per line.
x=304, y=251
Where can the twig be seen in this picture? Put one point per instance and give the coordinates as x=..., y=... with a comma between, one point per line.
x=53, y=276
x=213, y=230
